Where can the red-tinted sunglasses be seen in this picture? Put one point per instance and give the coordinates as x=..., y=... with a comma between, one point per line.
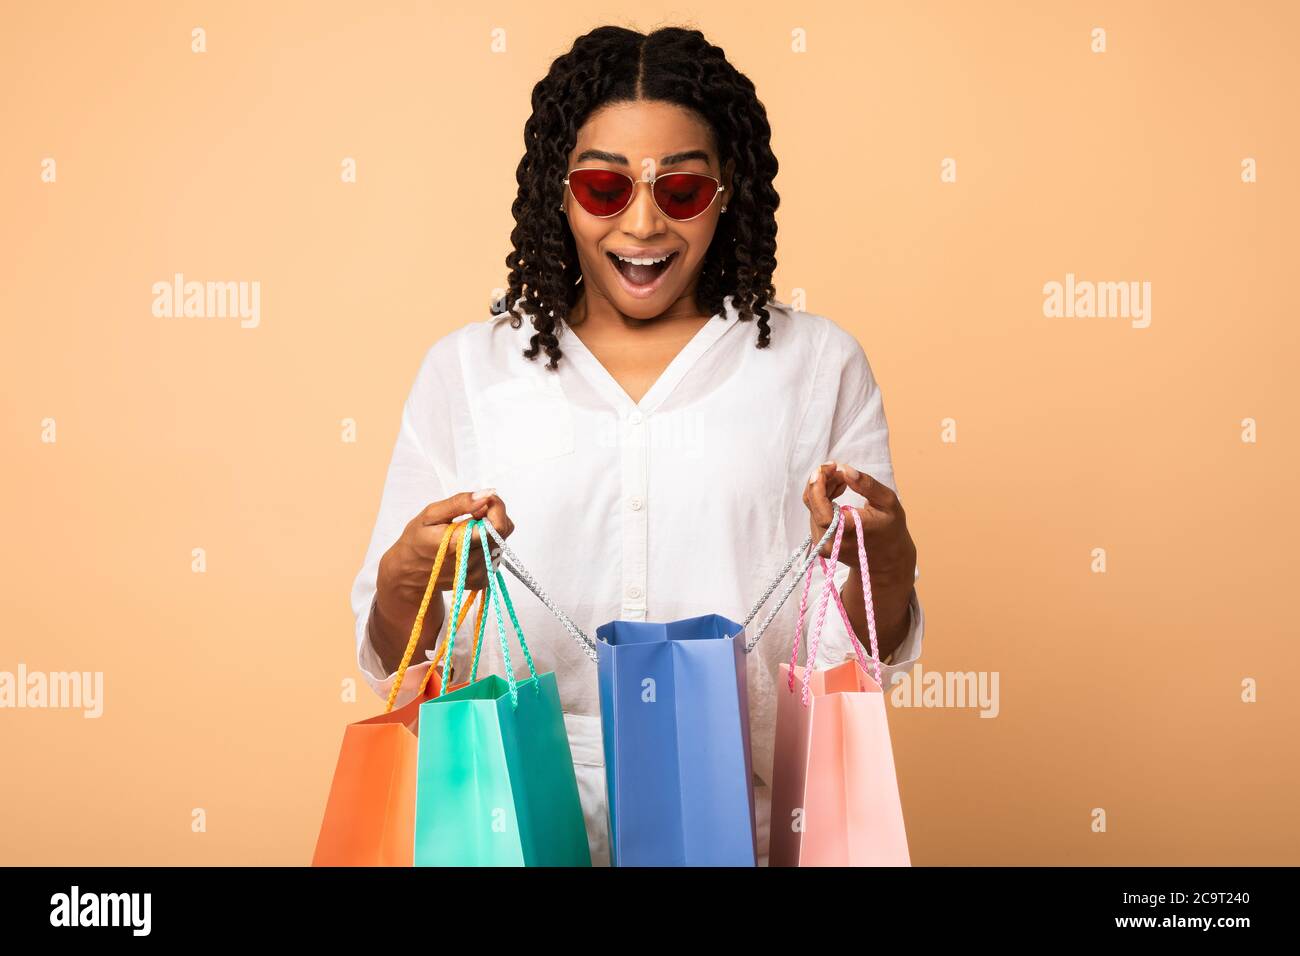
x=607, y=192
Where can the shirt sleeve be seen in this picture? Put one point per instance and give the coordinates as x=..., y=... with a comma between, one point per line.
x=418, y=474
x=859, y=437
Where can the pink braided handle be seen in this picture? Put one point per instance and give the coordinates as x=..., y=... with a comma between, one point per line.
x=863, y=659
x=867, y=602
x=871, y=664
x=815, y=634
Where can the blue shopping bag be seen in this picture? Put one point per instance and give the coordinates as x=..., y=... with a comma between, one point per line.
x=675, y=726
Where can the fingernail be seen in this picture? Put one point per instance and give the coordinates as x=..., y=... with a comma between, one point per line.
x=831, y=463
x=812, y=478
x=485, y=493
x=850, y=472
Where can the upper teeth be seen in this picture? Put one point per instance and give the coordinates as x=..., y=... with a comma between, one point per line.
x=643, y=262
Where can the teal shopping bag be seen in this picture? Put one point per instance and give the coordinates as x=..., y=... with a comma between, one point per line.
x=495, y=784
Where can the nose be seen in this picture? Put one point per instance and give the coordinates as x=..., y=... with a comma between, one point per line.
x=642, y=217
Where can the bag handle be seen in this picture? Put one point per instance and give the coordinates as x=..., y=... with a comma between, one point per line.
x=863, y=659
x=479, y=623
x=463, y=548
x=418, y=626
x=780, y=576
x=516, y=567
x=477, y=598
x=497, y=590
x=814, y=634
x=864, y=573
x=498, y=593
x=871, y=664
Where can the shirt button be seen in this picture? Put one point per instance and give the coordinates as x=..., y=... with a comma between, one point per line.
x=635, y=503
x=634, y=418
x=634, y=592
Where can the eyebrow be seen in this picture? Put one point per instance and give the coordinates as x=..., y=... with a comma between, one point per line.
x=620, y=159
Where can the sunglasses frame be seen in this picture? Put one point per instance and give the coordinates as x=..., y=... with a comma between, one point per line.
x=632, y=194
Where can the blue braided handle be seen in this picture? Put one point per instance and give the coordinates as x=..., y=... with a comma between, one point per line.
x=497, y=591
x=458, y=598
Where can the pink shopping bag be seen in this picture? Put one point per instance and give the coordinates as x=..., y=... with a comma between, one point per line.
x=835, y=795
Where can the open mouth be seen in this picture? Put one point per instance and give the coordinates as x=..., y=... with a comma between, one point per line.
x=642, y=275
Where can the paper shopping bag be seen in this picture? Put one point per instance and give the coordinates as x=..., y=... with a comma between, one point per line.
x=495, y=784
x=370, y=812
x=371, y=806
x=675, y=726
x=835, y=799
x=834, y=790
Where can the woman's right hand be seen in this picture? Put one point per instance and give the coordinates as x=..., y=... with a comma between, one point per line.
x=404, y=569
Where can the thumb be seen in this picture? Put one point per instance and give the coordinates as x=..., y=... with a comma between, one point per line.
x=817, y=500
x=875, y=492
x=497, y=517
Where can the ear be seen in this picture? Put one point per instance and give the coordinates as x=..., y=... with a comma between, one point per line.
x=727, y=172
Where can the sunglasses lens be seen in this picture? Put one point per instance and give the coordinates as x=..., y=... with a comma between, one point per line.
x=602, y=192
x=684, y=195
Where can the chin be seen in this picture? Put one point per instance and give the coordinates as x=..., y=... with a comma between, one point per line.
x=651, y=308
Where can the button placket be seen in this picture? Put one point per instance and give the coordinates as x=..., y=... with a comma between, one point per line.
x=635, y=467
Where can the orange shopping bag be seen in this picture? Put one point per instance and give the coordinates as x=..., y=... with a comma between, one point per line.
x=834, y=790
x=370, y=813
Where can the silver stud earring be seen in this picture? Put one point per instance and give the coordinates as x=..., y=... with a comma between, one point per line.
x=724, y=208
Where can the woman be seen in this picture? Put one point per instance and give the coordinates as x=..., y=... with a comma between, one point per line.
x=663, y=433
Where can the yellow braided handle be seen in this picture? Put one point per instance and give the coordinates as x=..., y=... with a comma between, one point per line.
x=460, y=619
x=463, y=550
x=419, y=617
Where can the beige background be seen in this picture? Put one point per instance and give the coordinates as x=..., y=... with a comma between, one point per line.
x=1119, y=690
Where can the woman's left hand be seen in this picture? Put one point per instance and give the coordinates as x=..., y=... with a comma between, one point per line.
x=891, y=554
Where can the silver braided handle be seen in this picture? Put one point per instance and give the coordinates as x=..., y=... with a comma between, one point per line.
x=836, y=518
x=516, y=567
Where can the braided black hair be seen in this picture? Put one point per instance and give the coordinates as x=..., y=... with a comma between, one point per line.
x=612, y=64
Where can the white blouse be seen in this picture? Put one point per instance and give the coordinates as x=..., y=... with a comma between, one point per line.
x=685, y=503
